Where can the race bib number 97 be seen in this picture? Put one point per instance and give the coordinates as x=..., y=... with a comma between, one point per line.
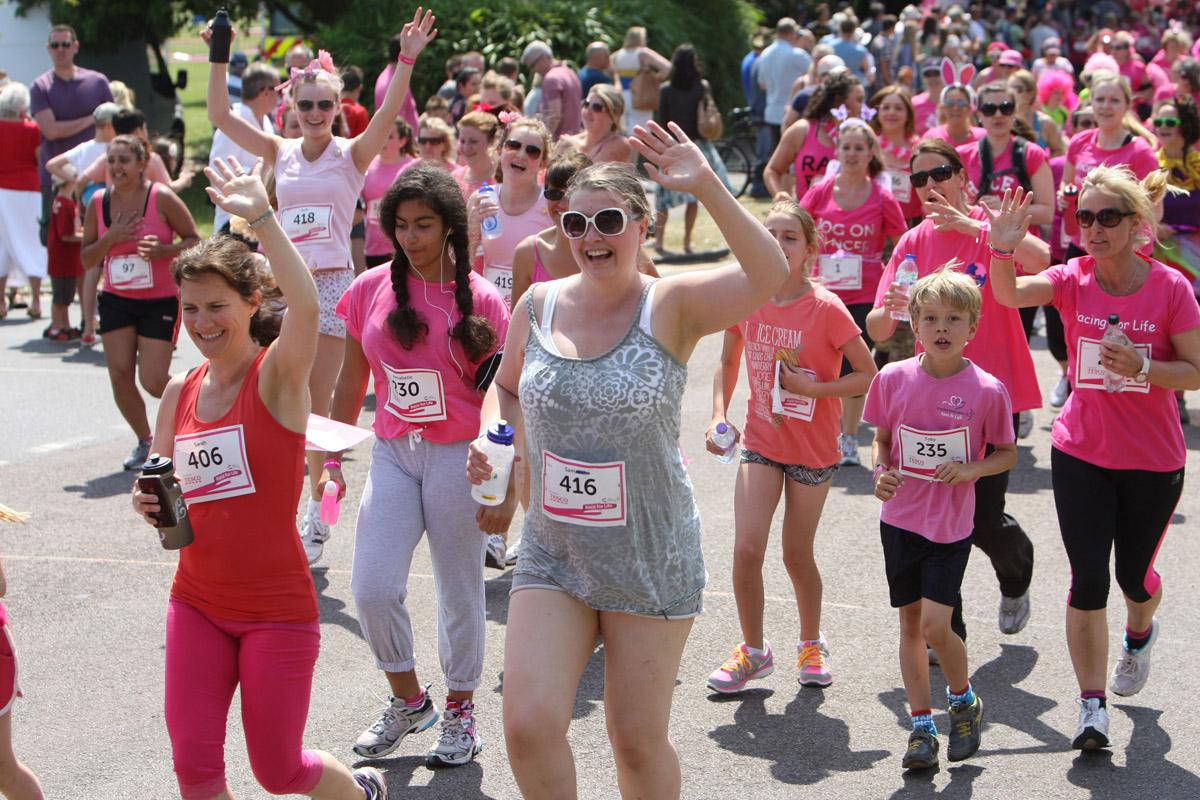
x=583, y=493
x=212, y=465
x=922, y=452
x=129, y=272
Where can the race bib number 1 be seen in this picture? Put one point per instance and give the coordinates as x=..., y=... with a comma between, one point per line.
x=1090, y=372
x=842, y=272
x=304, y=224
x=415, y=395
x=212, y=465
x=583, y=493
x=129, y=272
x=922, y=452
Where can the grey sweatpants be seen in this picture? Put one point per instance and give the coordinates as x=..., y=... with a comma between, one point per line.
x=414, y=487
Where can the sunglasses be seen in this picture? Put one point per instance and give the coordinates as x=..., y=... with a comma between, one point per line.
x=931, y=73
x=431, y=140
x=1107, y=217
x=531, y=150
x=957, y=104
x=606, y=221
x=1167, y=122
x=1120, y=47
x=58, y=45
x=1006, y=108
x=307, y=105
x=596, y=106
x=1084, y=123
x=939, y=174
x=554, y=195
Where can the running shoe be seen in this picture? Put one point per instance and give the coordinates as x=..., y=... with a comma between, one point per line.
x=740, y=668
x=372, y=782
x=1014, y=613
x=849, y=447
x=922, y=752
x=510, y=559
x=1024, y=424
x=397, y=721
x=966, y=729
x=1092, y=731
x=1062, y=390
x=1133, y=668
x=313, y=533
x=459, y=742
x=88, y=340
x=138, y=456
x=934, y=661
x=496, y=556
x=812, y=659
x=60, y=335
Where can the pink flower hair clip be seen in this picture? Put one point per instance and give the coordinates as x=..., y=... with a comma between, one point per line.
x=509, y=117
x=322, y=63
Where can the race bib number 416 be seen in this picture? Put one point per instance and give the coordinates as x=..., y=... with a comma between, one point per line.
x=922, y=452
x=583, y=493
x=212, y=465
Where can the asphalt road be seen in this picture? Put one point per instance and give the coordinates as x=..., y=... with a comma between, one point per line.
x=88, y=587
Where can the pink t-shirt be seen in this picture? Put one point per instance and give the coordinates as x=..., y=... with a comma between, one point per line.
x=1083, y=152
x=317, y=199
x=1004, y=176
x=814, y=327
x=999, y=347
x=929, y=419
x=924, y=112
x=431, y=387
x=853, y=236
x=1137, y=428
x=811, y=160
x=940, y=132
x=498, y=252
x=408, y=110
x=380, y=177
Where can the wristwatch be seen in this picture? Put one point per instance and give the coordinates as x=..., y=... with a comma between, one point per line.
x=1144, y=373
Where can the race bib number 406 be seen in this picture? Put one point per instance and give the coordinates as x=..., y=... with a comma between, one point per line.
x=583, y=493
x=922, y=452
x=212, y=465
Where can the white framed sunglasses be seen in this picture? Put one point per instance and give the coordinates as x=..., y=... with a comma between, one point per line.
x=606, y=221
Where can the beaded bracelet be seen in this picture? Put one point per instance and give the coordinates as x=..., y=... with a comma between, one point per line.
x=332, y=463
x=403, y=59
x=1001, y=255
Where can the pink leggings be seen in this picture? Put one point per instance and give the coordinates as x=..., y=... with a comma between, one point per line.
x=206, y=660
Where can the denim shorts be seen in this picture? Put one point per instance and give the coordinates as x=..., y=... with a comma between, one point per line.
x=809, y=476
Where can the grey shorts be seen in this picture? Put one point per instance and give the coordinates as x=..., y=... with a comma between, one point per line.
x=331, y=285
x=689, y=609
x=63, y=290
x=809, y=476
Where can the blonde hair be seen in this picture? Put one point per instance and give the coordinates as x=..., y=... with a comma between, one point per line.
x=538, y=127
x=950, y=287
x=1130, y=121
x=122, y=95
x=616, y=178
x=854, y=124
x=329, y=79
x=613, y=100
x=498, y=83
x=1140, y=197
x=635, y=37
x=812, y=237
x=440, y=127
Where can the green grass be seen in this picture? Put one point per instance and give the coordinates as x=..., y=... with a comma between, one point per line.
x=198, y=130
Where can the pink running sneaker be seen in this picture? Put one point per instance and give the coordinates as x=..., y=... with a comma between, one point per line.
x=812, y=659
x=741, y=668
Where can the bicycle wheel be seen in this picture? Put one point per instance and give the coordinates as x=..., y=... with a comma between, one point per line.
x=738, y=165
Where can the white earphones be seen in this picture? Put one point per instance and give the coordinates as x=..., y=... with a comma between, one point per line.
x=449, y=319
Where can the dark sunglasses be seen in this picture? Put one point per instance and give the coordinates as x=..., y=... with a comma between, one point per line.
x=58, y=45
x=957, y=104
x=1167, y=122
x=606, y=221
x=1120, y=47
x=1084, y=123
x=597, y=107
x=1006, y=108
x=939, y=174
x=931, y=73
x=1107, y=217
x=554, y=195
x=531, y=150
x=307, y=105
x=431, y=140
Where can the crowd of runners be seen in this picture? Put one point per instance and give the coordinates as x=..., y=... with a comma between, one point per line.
x=943, y=184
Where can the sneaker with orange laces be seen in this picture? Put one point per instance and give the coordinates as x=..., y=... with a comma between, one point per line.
x=740, y=668
x=812, y=660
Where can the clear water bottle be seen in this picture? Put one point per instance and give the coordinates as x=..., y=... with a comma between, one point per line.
x=1113, y=381
x=498, y=446
x=906, y=276
x=491, y=223
x=724, y=437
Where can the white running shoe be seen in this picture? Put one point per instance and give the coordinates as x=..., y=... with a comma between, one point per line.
x=372, y=782
x=1062, y=390
x=139, y=455
x=459, y=741
x=1132, y=669
x=396, y=722
x=1092, y=731
x=510, y=560
x=313, y=533
x=1014, y=613
x=849, y=447
x=1024, y=424
x=496, y=555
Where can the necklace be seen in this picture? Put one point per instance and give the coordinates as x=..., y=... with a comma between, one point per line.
x=1133, y=277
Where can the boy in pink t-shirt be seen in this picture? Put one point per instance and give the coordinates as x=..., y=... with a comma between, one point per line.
x=941, y=423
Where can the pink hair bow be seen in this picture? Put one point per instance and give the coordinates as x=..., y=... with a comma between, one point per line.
x=509, y=117
x=322, y=63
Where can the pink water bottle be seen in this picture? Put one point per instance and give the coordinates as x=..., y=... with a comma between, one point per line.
x=331, y=506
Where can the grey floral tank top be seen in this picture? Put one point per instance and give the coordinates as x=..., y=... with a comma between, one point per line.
x=612, y=519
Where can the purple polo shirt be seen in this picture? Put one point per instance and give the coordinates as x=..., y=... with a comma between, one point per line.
x=68, y=100
x=561, y=83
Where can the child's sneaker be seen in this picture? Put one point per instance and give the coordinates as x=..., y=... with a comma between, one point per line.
x=848, y=446
x=1092, y=731
x=966, y=729
x=459, y=741
x=313, y=533
x=812, y=660
x=397, y=721
x=740, y=668
x=922, y=752
x=372, y=782
x=1133, y=668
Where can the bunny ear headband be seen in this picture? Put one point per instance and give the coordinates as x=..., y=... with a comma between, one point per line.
x=957, y=78
x=322, y=63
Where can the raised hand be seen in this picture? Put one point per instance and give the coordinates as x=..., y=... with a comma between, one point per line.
x=418, y=33
x=946, y=217
x=236, y=190
x=1008, y=227
x=673, y=160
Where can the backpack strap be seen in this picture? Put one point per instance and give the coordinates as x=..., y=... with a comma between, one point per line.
x=985, y=167
x=1018, y=160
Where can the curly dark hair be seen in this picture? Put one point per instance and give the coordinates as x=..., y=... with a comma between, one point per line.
x=1189, y=119
x=435, y=188
x=233, y=260
x=830, y=94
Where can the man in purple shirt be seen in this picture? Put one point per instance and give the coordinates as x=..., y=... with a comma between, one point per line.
x=562, y=93
x=62, y=101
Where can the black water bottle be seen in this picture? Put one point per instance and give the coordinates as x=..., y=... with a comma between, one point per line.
x=158, y=478
x=222, y=36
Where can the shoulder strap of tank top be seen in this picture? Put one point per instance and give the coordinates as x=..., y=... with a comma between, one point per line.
x=547, y=309
x=105, y=207
x=151, y=196
x=646, y=313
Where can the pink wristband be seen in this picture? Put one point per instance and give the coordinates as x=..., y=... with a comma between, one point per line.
x=332, y=463
x=403, y=59
x=1000, y=255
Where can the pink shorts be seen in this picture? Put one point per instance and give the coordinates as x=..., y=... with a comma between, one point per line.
x=10, y=690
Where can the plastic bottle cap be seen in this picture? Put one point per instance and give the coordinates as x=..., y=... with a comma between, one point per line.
x=1114, y=319
x=722, y=428
x=501, y=433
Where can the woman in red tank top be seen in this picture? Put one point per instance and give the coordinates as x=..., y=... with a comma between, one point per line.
x=130, y=230
x=243, y=610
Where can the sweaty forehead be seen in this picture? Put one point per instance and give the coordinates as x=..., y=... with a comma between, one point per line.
x=590, y=201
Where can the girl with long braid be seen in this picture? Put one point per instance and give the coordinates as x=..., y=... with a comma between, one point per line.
x=427, y=329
